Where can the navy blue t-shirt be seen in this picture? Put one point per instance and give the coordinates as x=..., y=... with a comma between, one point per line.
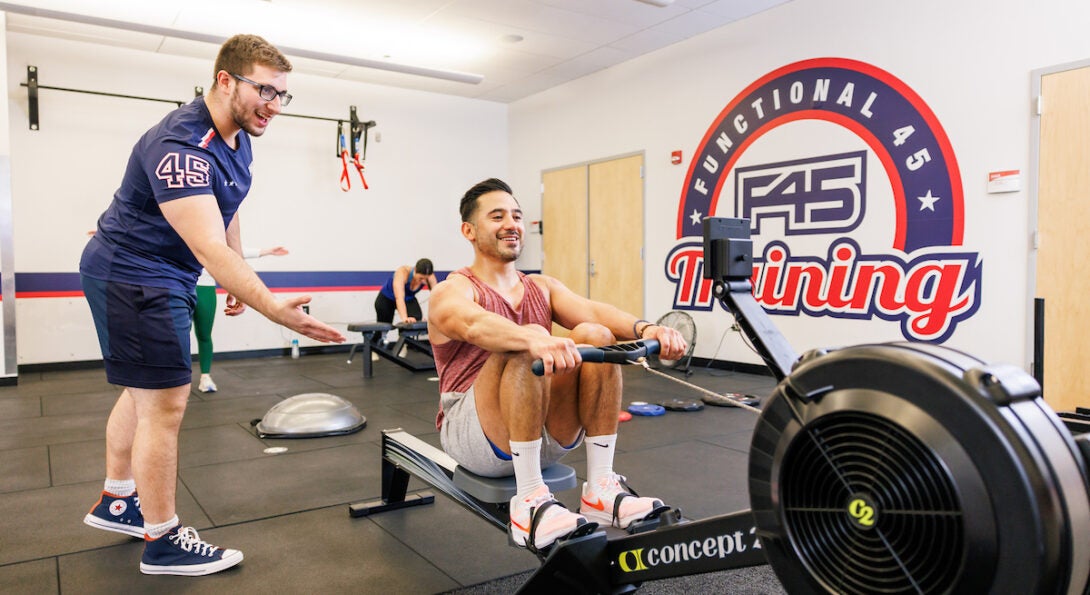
x=410, y=294
x=183, y=155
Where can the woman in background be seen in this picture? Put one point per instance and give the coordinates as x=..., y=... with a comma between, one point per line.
x=204, y=315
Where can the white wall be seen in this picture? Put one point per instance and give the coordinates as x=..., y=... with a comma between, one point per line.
x=433, y=148
x=970, y=62
x=8, y=369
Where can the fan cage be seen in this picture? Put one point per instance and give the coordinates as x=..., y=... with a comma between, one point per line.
x=917, y=541
x=684, y=324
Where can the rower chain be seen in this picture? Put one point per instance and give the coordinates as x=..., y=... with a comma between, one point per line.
x=733, y=402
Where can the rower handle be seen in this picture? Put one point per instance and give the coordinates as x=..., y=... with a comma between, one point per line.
x=620, y=353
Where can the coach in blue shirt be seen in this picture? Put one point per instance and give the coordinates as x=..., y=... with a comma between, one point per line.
x=176, y=212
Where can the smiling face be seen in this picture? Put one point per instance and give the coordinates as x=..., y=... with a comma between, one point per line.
x=496, y=229
x=248, y=110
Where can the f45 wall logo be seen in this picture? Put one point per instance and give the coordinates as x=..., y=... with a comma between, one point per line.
x=916, y=274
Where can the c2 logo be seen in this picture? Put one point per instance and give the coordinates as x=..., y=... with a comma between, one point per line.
x=862, y=511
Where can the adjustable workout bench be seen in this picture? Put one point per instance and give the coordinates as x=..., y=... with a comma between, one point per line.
x=408, y=337
x=404, y=454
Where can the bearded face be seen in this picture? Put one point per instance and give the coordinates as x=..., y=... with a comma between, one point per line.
x=248, y=110
x=498, y=228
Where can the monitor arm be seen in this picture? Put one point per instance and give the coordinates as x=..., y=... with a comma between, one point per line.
x=728, y=261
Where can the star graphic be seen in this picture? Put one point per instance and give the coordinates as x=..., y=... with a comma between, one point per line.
x=696, y=217
x=928, y=201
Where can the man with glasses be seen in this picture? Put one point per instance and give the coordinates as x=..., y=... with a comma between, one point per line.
x=176, y=212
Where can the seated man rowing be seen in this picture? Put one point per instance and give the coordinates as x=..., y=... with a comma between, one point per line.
x=487, y=323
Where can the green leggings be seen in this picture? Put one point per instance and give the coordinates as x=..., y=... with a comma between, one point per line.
x=203, y=317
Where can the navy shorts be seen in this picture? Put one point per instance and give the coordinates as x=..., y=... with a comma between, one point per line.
x=143, y=332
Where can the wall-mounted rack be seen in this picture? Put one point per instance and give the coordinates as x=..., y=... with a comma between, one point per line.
x=359, y=129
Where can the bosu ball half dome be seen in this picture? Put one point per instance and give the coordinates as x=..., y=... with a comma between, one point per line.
x=310, y=415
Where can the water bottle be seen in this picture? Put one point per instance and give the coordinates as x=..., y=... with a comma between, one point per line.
x=295, y=349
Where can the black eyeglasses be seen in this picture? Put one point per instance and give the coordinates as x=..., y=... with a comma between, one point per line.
x=266, y=92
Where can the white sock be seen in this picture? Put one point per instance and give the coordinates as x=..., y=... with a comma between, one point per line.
x=600, y=451
x=526, y=456
x=120, y=487
x=161, y=529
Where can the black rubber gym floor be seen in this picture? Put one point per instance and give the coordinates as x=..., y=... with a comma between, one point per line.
x=288, y=512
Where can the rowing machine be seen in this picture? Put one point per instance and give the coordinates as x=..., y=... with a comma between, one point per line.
x=895, y=468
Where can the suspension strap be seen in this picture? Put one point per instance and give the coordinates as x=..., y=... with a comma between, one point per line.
x=360, y=167
x=346, y=182
x=734, y=402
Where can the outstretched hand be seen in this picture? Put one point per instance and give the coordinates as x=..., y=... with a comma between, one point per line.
x=234, y=306
x=290, y=314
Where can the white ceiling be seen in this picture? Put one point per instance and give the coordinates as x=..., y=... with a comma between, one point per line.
x=561, y=40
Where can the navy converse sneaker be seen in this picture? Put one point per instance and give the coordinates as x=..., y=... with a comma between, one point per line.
x=117, y=513
x=182, y=552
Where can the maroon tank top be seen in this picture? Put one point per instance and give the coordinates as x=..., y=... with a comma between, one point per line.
x=458, y=362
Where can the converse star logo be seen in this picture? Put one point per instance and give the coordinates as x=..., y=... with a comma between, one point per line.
x=117, y=508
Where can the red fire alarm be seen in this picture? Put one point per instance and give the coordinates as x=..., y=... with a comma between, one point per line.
x=675, y=157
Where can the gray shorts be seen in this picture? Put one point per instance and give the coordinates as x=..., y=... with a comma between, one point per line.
x=463, y=439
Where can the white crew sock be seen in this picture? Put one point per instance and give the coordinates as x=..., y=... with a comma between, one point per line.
x=600, y=451
x=526, y=456
x=120, y=487
x=157, y=531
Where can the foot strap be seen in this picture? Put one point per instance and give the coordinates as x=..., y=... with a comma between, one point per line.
x=617, y=507
x=536, y=514
x=628, y=493
x=655, y=512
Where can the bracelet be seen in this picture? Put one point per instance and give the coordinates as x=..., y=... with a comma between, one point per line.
x=636, y=324
x=644, y=329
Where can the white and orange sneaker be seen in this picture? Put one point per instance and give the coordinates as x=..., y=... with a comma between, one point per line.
x=611, y=502
x=539, y=519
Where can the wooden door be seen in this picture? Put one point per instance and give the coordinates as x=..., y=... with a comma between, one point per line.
x=1063, y=224
x=564, y=229
x=616, y=233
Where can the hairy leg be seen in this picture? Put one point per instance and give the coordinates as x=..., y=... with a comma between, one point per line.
x=120, y=429
x=510, y=399
x=155, y=448
x=589, y=399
